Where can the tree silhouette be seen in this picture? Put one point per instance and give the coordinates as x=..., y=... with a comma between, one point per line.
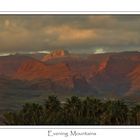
x=89, y=111
x=30, y=114
x=115, y=113
x=135, y=115
x=72, y=110
x=92, y=109
x=53, y=110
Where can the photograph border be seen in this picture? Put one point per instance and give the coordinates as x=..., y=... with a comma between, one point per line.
x=69, y=127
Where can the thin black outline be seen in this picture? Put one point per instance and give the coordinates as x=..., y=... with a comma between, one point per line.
x=69, y=128
x=75, y=11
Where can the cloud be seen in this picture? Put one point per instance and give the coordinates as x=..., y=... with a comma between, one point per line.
x=67, y=34
x=99, y=50
x=81, y=33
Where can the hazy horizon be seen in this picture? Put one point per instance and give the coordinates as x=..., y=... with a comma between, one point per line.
x=48, y=52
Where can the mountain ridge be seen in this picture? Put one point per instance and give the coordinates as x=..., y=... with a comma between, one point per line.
x=98, y=74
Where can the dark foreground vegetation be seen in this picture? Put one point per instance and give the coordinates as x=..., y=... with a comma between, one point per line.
x=75, y=111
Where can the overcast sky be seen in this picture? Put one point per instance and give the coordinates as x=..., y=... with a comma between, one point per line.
x=77, y=33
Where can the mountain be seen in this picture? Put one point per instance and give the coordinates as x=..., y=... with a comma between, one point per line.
x=102, y=75
x=10, y=64
x=28, y=78
x=60, y=75
x=55, y=54
x=113, y=77
x=134, y=89
x=36, y=70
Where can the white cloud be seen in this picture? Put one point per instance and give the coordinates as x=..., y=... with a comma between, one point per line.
x=99, y=50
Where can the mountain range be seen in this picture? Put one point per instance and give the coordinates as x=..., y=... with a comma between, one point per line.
x=106, y=75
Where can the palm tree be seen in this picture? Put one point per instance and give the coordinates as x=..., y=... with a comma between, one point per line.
x=92, y=109
x=52, y=104
x=53, y=111
x=115, y=113
x=10, y=118
x=135, y=115
x=30, y=114
x=72, y=110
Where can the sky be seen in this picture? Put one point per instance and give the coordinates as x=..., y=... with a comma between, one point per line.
x=76, y=33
